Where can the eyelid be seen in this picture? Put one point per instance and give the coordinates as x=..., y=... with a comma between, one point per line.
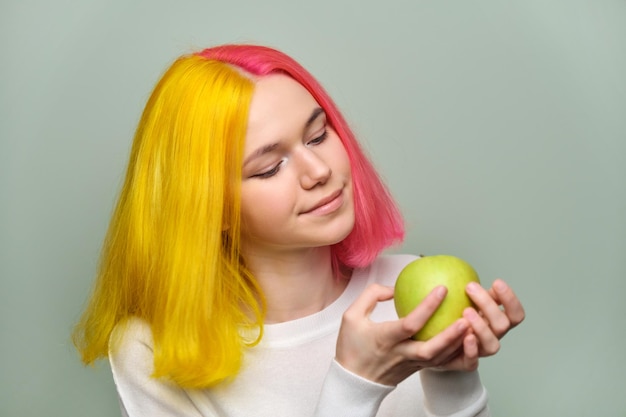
x=270, y=172
x=319, y=139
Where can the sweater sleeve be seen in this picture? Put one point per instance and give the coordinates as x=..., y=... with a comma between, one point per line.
x=347, y=394
x=140, y=394
x=449, y=394
x=453, y=394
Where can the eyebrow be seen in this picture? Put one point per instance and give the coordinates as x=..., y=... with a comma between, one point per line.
x=271, y=147
x=261, y=151
x=314, y=115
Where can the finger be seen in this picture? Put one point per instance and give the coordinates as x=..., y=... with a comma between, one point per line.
x=497, y=318
x=449, y=343
x=512, y=305
x=440, y=348
x=470, y=353
x=488, y=341
x=493, y=294
x=444, y=351
x=365, y=303
x=414, y=321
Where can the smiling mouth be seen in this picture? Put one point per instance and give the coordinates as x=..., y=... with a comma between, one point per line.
x=327, y=205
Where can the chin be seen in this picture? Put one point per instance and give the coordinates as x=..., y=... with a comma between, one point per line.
x=343, y=232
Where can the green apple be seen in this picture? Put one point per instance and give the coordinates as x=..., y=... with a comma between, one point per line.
x=421, y=276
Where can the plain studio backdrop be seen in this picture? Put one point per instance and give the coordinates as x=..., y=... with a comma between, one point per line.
x=500, y=126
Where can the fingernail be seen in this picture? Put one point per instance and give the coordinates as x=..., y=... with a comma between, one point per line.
x=472, y=287
x=461, y=326
x=440, y=291
x=500, y=285
x=470, y=314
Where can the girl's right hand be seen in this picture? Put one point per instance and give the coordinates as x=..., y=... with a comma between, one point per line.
x=385, y=353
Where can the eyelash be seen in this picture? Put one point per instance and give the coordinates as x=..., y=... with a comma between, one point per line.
x=271, y=172
x=313, y=142
x=321, y=138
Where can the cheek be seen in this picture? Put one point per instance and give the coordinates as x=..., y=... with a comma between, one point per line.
x=346, y=165
x=342, y=161
x=263, y=205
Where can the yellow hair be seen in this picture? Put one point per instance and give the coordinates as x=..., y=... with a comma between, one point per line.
x=171, y=255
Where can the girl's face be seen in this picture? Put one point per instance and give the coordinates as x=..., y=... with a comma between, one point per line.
x=297, y=189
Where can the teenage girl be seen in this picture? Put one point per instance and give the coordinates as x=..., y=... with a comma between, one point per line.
x=242, y=272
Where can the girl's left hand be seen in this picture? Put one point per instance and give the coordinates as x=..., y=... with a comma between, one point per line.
x=498, y=310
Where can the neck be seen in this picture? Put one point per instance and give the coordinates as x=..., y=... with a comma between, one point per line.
x=297, y=284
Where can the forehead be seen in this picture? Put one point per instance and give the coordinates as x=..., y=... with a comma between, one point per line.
x=278, y=103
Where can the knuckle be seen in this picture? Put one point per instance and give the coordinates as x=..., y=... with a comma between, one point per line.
x=349, y=317
x=501, y=326
x=493, y=348
x=424, y=355
x=408, y=327
x=519, y=318
x=374, y=287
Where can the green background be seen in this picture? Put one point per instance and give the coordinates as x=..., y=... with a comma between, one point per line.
x=500, y=126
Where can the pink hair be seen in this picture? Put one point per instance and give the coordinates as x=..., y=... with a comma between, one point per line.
x=378, y=221
x=166, y=258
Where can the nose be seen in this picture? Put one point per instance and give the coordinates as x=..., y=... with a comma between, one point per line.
x=314, y=170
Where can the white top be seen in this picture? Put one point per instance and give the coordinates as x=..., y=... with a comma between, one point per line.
x=292, y=372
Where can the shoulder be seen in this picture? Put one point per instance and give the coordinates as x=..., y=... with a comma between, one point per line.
x=129, y=330
x=386, y=268
x=131, y=356
x=131, y=346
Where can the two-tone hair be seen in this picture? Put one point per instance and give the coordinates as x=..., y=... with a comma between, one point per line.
x=171, y=256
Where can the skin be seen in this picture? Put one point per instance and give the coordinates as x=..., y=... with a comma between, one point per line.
x=294, y=162
x=384, y=352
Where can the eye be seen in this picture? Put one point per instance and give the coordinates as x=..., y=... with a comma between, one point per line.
x=321, y=138
x=269, y=173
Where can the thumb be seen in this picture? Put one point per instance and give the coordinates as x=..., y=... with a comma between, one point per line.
x=372, y=295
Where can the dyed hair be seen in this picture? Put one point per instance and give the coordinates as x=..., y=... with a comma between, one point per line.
x=167, y=258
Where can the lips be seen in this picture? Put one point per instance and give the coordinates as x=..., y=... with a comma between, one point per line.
x=327, y=204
